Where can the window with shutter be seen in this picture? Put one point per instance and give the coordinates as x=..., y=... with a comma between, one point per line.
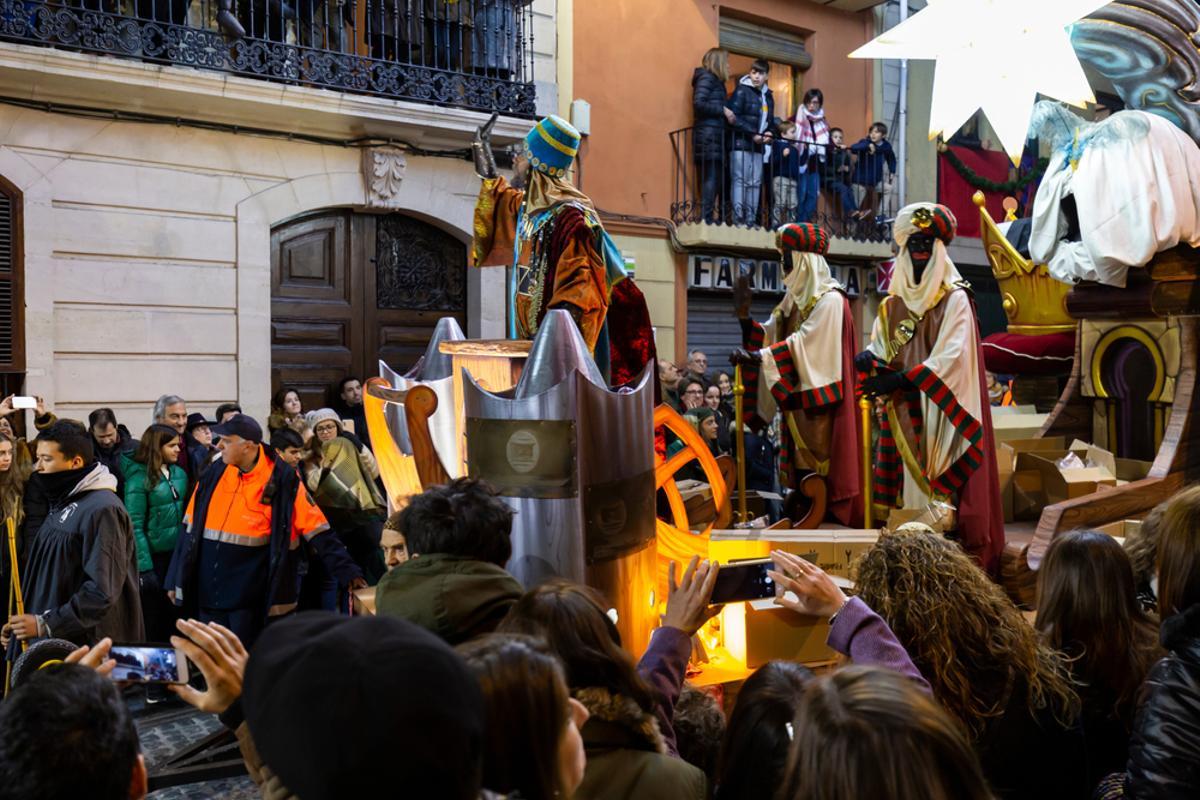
x=12, y=301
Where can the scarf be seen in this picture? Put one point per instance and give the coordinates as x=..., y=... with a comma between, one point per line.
x=59, y=485
x=545, y=192
x=940, y=275
x=807, y=282
x=343, y=484
x=813, y=129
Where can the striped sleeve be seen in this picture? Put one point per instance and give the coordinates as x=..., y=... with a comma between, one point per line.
x=929, y=384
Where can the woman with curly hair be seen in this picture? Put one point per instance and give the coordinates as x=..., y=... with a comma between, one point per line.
x=986, y=664
x=1088, y=609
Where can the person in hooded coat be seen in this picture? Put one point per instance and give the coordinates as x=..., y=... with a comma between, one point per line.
x=81, y=578
x=801, y=362
x=926, y=366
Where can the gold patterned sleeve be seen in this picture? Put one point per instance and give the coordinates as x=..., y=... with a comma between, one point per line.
x=495, y=230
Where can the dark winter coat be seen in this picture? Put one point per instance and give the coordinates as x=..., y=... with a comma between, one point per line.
x=746, y=104
x=709, y=137
x=1164, y=753
x=457, y=598
x=156, y=513
x=81, y=571
x=870, y=167
x=832, y=172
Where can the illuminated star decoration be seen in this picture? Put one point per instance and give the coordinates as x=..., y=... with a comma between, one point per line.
x=994, y=55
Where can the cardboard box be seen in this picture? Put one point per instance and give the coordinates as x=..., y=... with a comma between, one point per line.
x=832, y=550
x=1065, y=483
x=759, y=631
x=1130, y=469
x=1007, y=427
x=1023, y=497
x=1121, y=529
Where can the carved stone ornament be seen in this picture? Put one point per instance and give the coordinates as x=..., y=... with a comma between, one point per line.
x=383, y=171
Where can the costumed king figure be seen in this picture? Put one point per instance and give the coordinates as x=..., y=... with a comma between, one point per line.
x=801, y=362
x=925, y=363
x=549, y=235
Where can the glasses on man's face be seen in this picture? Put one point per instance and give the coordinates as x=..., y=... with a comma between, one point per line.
x=693, y=391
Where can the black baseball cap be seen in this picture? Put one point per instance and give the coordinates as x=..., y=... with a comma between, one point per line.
x=346, y=707
x=239, y=425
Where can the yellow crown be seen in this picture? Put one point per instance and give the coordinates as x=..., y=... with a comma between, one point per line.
x=1034, y=302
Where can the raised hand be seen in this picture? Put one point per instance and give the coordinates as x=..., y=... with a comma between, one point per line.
x=688, y=601
x=481, y=149
x=94, y=657
x=816, y=593
x=219, y=654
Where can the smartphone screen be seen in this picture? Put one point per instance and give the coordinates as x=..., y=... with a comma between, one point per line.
x=747, y=580
x=147, y=663
x=24, y=402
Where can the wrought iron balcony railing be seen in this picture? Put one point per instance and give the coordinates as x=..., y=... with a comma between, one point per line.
x=475, y=54
x=718, y=181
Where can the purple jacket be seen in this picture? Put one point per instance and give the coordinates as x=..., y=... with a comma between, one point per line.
x=861, y=634
x=857, y=632
x=664, y=666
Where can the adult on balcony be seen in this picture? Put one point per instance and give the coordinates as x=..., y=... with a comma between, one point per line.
x=813, y=130
x=711, y=123
x=446, y=26
x=753, y=108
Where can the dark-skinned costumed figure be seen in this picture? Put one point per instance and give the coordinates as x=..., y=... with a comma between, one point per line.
x=925, y=363
x=549, y=235
x=800, y=362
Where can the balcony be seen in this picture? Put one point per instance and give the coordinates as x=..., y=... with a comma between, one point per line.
x=474, y=55
x=714, y=205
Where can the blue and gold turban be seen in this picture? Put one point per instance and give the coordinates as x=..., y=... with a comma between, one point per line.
x=551, y=146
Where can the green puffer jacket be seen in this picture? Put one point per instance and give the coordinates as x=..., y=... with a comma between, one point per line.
x=156, y=513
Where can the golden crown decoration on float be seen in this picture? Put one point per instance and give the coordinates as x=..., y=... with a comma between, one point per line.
x=1034, y=303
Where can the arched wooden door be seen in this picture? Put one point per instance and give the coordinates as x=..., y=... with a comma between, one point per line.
x=348, y=289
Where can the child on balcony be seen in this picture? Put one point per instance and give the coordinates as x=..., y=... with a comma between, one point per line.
x=786, y=155
x=835, y=180
x=874, y=155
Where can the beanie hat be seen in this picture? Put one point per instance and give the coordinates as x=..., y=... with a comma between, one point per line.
x=699, y=413
x=551, y=146
x=346, y=707
x=803, y=237
x=319, y=415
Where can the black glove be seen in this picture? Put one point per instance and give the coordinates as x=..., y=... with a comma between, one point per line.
x=481, y=150
x=865, y=361
x=744, y=357
x=883, y=385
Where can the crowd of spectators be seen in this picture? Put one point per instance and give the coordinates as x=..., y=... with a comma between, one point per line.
x=773, y=169
x=468, y=685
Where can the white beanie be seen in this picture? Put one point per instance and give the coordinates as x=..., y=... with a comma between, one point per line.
x=319, y=415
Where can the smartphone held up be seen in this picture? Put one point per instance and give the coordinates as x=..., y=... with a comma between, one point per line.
x=149, y=663
x=744, y=580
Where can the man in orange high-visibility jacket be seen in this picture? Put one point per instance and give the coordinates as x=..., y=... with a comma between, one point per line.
x=237, y=559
